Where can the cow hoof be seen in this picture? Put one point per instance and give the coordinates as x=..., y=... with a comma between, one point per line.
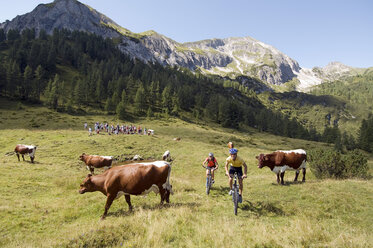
x=102, y=218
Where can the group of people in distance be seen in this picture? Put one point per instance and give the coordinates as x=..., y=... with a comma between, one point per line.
x=118, y=129
x=235, y=163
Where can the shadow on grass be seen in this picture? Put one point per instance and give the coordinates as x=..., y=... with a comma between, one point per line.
x=126, y=212
x=288, y=183
x=262, y=208
x=220, y=191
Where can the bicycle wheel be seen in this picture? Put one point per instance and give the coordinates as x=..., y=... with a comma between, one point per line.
x=235, y=199
x=208, y=185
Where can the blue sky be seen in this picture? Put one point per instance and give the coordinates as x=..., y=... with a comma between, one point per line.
x=313, y=33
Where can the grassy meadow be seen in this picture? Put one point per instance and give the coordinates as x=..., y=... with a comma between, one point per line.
x=40, y=205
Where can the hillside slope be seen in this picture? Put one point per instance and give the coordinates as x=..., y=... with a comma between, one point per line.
x=40, y=205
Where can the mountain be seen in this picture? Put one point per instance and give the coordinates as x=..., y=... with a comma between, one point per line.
x=235, y=58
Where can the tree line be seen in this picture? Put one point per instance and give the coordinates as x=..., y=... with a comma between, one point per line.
x=69, y=70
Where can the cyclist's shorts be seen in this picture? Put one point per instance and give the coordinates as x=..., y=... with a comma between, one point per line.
x=213, y=167
x=232, y=170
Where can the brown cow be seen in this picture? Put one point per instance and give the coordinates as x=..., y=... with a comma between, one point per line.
x=23, y=149
x=131, y=179
x=280, y=161
x=95, y=161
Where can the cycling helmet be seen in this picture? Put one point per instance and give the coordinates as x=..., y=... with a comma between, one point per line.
x=233, y=151
x=211, y=154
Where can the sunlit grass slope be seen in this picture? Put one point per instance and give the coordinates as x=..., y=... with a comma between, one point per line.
x=40, y=205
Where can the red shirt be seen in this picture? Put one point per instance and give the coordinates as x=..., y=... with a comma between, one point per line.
x=211, y=162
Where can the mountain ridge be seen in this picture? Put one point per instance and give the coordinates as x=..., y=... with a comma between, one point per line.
x=229, y=57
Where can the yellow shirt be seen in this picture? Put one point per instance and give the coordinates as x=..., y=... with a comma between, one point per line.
x=235, y=163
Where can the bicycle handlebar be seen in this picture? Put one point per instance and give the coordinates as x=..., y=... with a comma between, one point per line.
x=206, y=167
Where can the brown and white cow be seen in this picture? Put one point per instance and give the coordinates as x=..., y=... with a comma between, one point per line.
x=95, y=161
x=24, y=149
x=280, y=161
x=131, y=179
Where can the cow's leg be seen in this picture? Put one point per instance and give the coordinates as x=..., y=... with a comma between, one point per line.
x=282, y=177
x=23, y=156
x=18, y=157
x=91, y=169
x=296, y=175
x=128, y=200
x=162, y=192
x=32, y=159
x=304, y=175
x=109, y=201
x=278, y=178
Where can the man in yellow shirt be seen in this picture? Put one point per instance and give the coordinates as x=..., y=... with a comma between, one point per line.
x=236, y=164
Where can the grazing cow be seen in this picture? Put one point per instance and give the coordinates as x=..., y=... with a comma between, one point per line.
x=23, y=149
x=95, y=161
x=167, y=156
x=280, y=161
x=131, y=179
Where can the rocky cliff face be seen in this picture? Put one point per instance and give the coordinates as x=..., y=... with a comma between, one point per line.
x=231, y=57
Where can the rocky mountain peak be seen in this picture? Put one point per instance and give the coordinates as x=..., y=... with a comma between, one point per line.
x=67, y=14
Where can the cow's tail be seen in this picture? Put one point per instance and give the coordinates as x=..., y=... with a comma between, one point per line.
x=167, y=185
x=10, y=153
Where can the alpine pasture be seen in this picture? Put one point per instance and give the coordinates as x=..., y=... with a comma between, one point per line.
x=40, y=205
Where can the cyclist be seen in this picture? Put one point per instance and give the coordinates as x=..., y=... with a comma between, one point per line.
x=236, y=164
x=211, y=162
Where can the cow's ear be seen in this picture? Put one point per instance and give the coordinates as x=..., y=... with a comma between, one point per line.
x=89, y=175
x=257, y=157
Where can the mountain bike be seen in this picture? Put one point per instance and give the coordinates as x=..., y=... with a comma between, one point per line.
x=208, y=179
x=235, y=194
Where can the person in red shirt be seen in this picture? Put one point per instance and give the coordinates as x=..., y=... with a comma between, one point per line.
x=211, y=162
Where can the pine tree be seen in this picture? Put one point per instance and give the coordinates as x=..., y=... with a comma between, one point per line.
x=115, y=99
x=140, y=101
x=39, y=82
x=166, y=99
x=52, y=93
x=121, y=110
x=149, y=113
x=121, y=107
x=27, y=83
x=100, y=90
x=79, y=92
x=109, y=106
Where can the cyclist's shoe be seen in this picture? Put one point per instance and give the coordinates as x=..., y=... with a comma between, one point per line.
x=230, y=192
x=240, y=198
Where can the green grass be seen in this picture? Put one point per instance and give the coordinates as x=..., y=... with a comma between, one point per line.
x=40, y=205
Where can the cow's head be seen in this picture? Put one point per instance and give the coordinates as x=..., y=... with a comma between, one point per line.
x=81, y=157
x=32, y=153
x=262, y=159
x=87, y=185
x=167, y=156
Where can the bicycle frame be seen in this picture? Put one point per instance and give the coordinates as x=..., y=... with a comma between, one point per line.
x=208, y=179
x=235, y=194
